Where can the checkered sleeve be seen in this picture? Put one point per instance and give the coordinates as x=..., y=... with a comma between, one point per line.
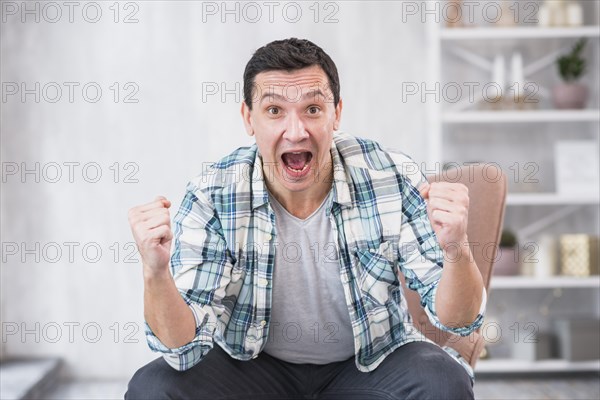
x=420, y=255
x=201, y=267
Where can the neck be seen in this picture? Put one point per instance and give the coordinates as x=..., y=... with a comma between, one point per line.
x=302, y=204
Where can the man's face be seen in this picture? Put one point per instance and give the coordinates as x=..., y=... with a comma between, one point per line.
x=293, y=118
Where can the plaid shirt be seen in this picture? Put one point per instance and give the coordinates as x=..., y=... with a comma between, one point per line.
x=225, y=242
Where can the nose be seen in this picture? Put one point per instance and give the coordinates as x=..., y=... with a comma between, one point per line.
x=294, y=129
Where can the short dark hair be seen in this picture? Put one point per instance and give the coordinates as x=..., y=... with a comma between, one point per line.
x=289, y=54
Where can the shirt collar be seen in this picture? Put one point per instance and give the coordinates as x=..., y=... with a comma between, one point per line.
x=341, y=188
x=260, y=196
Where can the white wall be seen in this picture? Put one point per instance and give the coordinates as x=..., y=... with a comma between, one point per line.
x=168, y=134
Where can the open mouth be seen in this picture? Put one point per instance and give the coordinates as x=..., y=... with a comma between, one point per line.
x=297, y=161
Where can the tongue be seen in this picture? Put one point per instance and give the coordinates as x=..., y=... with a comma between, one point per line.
x=295, y=161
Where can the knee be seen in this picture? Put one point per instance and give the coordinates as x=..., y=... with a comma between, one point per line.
x=151, y=382
x=444, y=378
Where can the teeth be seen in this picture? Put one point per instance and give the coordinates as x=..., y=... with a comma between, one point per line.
x=297, y=170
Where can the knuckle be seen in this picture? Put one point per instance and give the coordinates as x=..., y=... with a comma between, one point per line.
x=132, y=220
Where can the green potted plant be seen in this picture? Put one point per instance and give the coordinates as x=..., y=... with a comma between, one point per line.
x=571, y=94
x=507, y=259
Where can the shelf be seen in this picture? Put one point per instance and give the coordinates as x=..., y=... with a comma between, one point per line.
x=478, y=117
x=519, y=199
x=518, y=33
x=520, y=366
x=518, y=282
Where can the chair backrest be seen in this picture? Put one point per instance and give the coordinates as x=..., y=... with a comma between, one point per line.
x=487, y=195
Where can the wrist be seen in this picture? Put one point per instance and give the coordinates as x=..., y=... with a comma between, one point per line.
x=155, y=275
x=458, y=250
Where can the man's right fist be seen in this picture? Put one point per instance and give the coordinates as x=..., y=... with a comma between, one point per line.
x=151, y=227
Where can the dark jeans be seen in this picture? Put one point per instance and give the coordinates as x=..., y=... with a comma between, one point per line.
x=417, y=370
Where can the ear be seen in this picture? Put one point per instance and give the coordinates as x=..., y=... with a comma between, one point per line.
x=247, y=118
x=338, y=116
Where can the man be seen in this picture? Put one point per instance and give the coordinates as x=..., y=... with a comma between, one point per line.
x=287, y=254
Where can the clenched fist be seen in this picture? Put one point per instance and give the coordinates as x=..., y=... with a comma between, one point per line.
x=151, y=227
x=448, y=211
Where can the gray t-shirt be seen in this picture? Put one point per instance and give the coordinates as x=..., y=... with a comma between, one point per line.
x=310, y=322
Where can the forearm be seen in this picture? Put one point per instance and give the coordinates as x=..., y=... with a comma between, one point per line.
x=165, y=311
x=459, y=293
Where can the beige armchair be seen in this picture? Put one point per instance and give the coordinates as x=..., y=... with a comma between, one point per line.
x=487, y=195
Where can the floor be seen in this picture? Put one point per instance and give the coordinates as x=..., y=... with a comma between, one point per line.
x=88, y=390
x=20, y=379
x=581, y=388
x=584, y=388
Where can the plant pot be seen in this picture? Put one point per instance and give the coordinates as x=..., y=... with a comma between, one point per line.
x=507, y=261
x=570, y=96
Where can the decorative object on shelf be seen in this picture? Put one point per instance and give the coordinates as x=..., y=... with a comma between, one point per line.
x=574, y=14
x=507, y=259
x=518, y=98
x=534, y=346
x=516, y=71
x=548, y=257
x=510, y=94
x=578, y=338
x=544, y=15
x=542, y=261
x=579, y=255
x=571, y=94
x=498, y=77
x=560, y=13
x=506, y=18
x=454, y=14
x=552, y=13
x=576, y=167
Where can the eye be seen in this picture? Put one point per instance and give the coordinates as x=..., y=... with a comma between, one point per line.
x=273, y=110
x=313, y=110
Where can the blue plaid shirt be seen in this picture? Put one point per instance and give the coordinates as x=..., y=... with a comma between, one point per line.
x=225, y=242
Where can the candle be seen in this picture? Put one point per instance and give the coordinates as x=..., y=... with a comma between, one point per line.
x=498, y=72
x=557, y=11
x=546, y=257
x=574, y=14
x=518, y=79
x=544, y=15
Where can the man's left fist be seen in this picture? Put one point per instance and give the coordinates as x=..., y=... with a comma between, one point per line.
x=448, y=211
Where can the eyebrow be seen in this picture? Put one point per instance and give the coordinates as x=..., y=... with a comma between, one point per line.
x=310, y=93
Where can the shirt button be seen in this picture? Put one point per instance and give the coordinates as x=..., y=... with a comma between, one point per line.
x=263, y=282
x=269, y=237
x=263, y=323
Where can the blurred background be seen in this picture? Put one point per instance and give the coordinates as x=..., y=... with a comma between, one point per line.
x=107, y=104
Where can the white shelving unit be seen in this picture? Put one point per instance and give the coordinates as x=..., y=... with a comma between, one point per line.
x=513, y=366
x=527, y=282
x=479, y=117
x=465, y=44
x=548, y=199
x=485, y=33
